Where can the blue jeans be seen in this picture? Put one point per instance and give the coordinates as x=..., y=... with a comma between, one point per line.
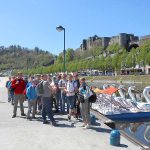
x=47, y=108
x=63, y=101
x=71, y=101
x=12, y=97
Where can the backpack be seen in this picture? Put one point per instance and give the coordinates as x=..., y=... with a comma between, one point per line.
x=40, y=88
x=11, y=89
x=80, y=98
x=9, y=85
x=93, y=97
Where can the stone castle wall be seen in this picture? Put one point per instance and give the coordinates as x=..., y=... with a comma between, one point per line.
x=123, y=39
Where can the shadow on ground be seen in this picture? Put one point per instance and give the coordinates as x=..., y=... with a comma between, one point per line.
x=101, y=129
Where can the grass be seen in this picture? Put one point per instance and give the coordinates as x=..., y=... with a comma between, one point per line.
x=121, y=78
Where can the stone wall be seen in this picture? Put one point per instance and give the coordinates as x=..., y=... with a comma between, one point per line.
x=123, y=39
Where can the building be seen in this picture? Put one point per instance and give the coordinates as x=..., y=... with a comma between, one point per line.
x=123, y=40
x=144, y=38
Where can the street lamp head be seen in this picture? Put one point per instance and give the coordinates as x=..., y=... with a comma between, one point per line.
x=60, y=28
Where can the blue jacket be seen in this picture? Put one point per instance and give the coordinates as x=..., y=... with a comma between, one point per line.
x=31, y=93
x=28, y=84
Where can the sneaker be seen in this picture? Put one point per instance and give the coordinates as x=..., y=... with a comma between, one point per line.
x=34, y=118
x=87, y=126
x=29, y=118
x=9, y=100
x=13, y=116
x=69, y=118
x=38, y=113
x=45, y=122
x=83, y=125
x=54, y=124
x=23, y=114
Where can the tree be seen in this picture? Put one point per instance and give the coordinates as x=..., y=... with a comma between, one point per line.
x=123, y=58
x=60, y=58
x=113, y=48
x=69, y=54
x=144, y=51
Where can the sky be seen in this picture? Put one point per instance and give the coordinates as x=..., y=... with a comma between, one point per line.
x=32, y=23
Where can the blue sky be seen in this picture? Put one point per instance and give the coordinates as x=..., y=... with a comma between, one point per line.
x=31, y=23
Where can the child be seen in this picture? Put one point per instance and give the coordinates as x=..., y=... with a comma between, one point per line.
x=32, y=96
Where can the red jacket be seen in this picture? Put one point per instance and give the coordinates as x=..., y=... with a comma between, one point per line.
x=20, y=87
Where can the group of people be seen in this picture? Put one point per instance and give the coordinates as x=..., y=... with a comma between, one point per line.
x=44, y=92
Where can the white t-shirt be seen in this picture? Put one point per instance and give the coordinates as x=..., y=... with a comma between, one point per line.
x=70, y=88
x=62, y=83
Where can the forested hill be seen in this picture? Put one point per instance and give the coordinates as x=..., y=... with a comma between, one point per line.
x=17, y=57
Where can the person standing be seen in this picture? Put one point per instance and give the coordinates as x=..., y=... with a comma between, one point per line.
x=51, y=82
x=62, y=86
x=32, y=96
x=77, y=103
x=7, y=86
x=39, y=96
x=11, y=90
x=70, y=93
x=54, y=85
x=85, y=106
x=58, y=92
x=19, y=86
x=47, y=102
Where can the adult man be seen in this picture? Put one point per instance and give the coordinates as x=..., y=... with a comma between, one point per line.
x=77, y=103
x=54, y=87
x=39, y=96
x=70, y=93
x=62, y=86
x=19, y=86
x=58, y=92
x=47, y=101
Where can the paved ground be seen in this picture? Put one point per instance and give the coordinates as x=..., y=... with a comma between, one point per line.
x=20, y=134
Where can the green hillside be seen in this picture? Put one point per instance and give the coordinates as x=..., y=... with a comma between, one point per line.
x=17, y=57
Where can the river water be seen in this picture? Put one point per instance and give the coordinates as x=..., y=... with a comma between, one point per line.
x=137, y=130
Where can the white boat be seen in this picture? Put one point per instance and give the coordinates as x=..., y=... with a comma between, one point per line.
x=119, y=108
x=138, y=101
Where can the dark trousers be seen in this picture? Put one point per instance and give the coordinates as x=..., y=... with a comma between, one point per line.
x=58, y=100
x=77, y=105
x=54, y=102
x=47, y=108
x=39, y=103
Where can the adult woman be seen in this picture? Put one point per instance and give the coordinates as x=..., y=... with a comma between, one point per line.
x=85, y=106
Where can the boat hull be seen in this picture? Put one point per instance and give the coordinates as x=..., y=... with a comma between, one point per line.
x=130, y=117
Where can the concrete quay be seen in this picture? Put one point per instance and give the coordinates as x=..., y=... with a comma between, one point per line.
x=20, y=134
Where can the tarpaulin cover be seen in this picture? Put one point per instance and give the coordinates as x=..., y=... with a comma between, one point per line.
x=109, y=90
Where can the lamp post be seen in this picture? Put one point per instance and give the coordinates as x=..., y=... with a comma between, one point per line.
x=59, y=29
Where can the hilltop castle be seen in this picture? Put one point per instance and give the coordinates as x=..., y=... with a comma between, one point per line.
x=125, y=40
